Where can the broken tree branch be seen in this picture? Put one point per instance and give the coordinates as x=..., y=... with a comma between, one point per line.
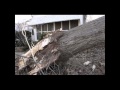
x=39, y=46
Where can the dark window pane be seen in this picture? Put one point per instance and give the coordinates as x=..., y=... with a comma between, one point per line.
x=50, y=26
x=38, y=27
x=65, y=25
x=38, y=35
x=57, y=25
x=74, y=23
x=44, y=27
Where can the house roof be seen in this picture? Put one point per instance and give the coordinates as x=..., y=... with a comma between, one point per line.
x=52, y=18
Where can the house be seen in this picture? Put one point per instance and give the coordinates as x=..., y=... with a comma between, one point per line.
x=92, y=17
x=51, y=23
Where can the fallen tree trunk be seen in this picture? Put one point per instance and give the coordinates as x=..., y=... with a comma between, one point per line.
x=82, y=37
x=63, y=45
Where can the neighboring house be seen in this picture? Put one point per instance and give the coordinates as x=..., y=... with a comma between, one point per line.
x=51, y=23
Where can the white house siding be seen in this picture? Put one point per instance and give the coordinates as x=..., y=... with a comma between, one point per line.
x=92, y=17
x=35, y=31
x=34, y=36
x=81, y=19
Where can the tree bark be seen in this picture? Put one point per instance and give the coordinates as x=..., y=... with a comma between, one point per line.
x=63, y=45
x=82, y=37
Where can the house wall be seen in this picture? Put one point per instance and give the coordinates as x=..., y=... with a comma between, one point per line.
x=92, y=17
x=65, y=25
x=81, y=19
x=34, y=35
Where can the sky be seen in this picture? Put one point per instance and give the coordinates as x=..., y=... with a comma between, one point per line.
x=22, y=18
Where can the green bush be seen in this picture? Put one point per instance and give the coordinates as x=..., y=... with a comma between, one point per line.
x=40, y=36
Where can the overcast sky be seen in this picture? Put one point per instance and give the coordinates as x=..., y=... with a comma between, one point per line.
x=22, y=18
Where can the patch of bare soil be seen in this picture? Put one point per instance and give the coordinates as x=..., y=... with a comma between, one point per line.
x=95, y=57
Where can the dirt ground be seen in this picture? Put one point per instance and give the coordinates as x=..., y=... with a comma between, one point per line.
x=96, y=56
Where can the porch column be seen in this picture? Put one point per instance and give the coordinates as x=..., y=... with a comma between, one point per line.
x=69, y=25
x=41, y=28
x=47, y=27
x=35, y=34
x=54, y=26
x=61, y=24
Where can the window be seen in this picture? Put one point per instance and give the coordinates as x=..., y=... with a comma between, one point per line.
x=32, y=32
x=38, y=27
x=44, y=27
x=50, y=26
x=57, y=25
x=74, y=23
x=38, y=35
x=65, y=25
